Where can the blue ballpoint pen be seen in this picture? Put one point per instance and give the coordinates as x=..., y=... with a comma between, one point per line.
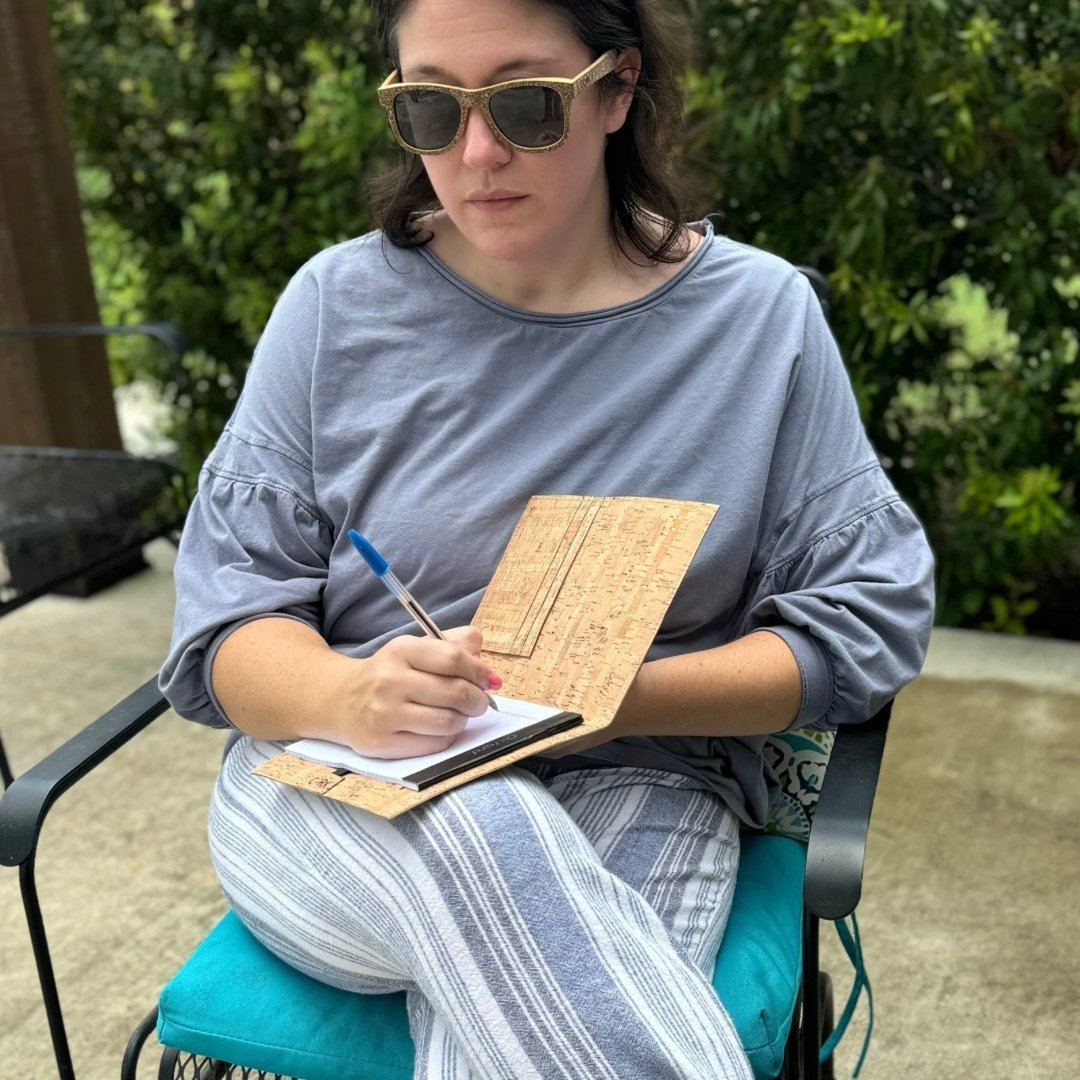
x=393, y=583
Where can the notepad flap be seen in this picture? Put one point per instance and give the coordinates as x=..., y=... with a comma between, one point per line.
x=579, y=595
x=545, y=542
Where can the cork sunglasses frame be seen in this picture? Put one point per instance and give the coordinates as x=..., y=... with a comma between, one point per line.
x=567, y=89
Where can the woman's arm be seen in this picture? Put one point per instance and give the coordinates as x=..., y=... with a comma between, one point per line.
x=748, y=687
x=276, y=678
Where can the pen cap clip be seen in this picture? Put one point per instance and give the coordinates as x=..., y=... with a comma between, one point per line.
x=371, y=556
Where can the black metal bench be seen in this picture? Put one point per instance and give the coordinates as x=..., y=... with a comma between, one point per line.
x=74, y=520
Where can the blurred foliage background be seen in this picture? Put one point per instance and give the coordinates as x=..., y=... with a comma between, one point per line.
x=924, y=154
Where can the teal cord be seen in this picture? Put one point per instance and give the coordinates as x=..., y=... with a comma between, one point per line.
x=853, y=947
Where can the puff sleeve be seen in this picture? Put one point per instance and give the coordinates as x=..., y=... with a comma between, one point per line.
x=255, y=542
x=845, y=575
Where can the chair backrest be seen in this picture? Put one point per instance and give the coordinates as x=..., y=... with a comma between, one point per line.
x=70, y=513
x=170, y=335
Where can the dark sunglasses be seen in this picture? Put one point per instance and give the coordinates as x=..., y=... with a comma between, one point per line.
x=530, y=115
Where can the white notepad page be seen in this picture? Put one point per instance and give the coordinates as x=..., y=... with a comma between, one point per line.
x=491, y=726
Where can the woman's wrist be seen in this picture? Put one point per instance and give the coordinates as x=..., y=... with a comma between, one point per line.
x=278, y=679
x=334, y=710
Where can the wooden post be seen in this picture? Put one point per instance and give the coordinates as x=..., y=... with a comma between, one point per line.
x=53, y=392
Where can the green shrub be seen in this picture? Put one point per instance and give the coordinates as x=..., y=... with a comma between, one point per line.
x=922, y=153
x=220, y=145
x=925, y=156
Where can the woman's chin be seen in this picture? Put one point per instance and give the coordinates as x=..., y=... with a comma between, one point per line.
x=502, y=242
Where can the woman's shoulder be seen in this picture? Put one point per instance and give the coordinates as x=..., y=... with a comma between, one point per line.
x=741, y=280
x=359, y=260
x=751, y=267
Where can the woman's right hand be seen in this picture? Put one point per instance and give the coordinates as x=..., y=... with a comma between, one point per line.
x=414, y=695
x=276, y=678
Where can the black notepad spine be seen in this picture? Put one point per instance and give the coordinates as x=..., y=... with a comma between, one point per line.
x=448, y=767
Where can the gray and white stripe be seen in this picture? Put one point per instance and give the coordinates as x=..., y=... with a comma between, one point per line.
x=544, y=924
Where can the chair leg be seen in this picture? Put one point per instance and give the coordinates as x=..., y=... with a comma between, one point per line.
x=790, y=1069
x=135, y=1044
x=167, y=1066
x=811, y=1015
x=35, y=924
x=825, y=996
x=5, y=768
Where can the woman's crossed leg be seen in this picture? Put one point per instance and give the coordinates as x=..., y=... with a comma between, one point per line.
x=543, y=926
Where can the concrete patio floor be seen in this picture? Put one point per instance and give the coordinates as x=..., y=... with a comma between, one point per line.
x=970, y=919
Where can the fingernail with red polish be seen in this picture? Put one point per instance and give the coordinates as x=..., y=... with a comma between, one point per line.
x=494, y=681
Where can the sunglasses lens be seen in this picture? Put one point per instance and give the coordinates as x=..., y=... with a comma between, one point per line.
x=528, y=115
x=427, y=119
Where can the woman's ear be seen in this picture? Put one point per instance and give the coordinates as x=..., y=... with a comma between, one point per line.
x=627, y=70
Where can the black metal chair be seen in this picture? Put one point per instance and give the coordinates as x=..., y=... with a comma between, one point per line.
x=832, y=884
x=75, y=520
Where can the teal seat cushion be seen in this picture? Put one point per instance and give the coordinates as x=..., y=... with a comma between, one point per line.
x=760, y=959
x=235, y=1001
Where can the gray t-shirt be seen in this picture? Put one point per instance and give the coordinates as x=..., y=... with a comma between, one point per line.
x=389, y=395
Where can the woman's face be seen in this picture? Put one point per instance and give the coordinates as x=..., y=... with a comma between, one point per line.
x=510, y=205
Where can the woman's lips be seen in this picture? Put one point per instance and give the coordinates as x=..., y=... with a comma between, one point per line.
x=492, y=204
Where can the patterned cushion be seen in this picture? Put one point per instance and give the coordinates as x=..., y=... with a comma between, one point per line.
x=798, y=758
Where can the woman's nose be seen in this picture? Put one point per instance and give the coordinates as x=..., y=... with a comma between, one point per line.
x=481, y=149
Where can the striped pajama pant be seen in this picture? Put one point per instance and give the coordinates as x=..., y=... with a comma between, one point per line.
x=543, y=924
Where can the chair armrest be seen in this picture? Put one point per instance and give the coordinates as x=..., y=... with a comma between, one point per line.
x=27, y=801
x=837, y=845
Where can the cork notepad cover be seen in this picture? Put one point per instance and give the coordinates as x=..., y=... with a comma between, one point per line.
x=568, y=617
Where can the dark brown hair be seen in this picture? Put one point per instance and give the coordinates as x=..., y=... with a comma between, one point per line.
x=642, y=183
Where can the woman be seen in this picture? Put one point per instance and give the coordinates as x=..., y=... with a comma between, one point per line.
x=553, y=326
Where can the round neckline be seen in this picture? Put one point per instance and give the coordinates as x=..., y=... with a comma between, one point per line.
x=575, y=318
